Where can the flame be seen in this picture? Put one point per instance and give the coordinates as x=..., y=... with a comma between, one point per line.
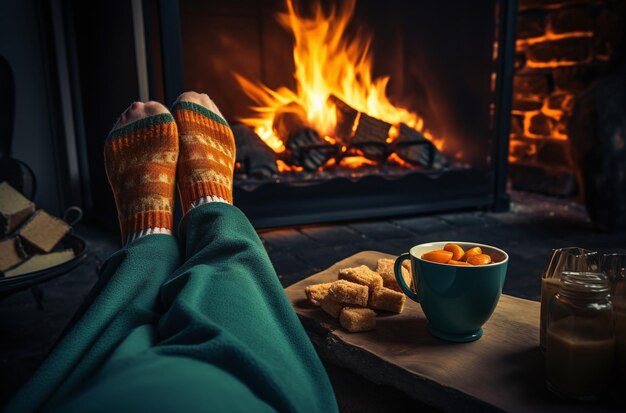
x=273, y=141
x=327, y=62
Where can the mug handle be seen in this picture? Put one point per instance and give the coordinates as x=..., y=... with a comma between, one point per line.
x=397, y=269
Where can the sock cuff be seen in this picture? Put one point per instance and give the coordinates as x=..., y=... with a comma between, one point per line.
x=146, y=219
x=147, y=231
x=199, y=109
x=141, y=124
x=207, y=200
x=192, y=193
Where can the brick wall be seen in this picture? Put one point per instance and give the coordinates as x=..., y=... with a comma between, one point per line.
x=562, y=47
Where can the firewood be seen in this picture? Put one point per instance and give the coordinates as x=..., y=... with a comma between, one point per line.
x=39, y=262
x=370, y=137
x=346, y=116
x=414, y=148
x=11, y=253
x=14, y=208
x=42, y=231
x=256, y=158
x=289, y=119
x=309, y=150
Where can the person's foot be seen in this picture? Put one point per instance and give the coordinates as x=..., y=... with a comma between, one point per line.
x=140, y=156
x=207, y=151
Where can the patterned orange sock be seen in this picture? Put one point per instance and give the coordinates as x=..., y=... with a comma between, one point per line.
x=140, y=161
x=207, y=155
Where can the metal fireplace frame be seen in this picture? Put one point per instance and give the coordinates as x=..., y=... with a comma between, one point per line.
x=340, y=199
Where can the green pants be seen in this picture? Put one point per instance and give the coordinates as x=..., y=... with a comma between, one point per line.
x=202, y=326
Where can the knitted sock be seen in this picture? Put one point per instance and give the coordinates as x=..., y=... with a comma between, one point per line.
x=207, y=155
x=140, y=161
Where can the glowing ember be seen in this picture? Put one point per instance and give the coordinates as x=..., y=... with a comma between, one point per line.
x=327, y=62
x=283, y=167
x=396, y=159
x=356, y=161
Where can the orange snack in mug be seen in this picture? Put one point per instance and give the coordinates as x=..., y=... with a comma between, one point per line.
x=440, y=256
x=470, y=252
x=453, y=262
x=456, y=250
x=479, y=259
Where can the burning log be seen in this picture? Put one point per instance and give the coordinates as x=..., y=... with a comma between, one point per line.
x=304, y=145
x=309, y=150
x=346, y=116
x=257, y=159
x=370, y=137
x=289, y=119
x=414, y=148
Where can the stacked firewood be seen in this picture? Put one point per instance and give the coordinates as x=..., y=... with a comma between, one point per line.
x=368, y=136
x=29, y=238
x=304, y=145
x=356, y=134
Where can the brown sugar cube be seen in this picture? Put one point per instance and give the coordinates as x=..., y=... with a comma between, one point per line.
x=349, y=293
x=384, y=267
x=387, y=299
x=407, y=266
x=40, y=262
x=362, y=275
x=331, y=306
x=11, y=253
x=315, y=293
x=357, y=319
x=14, y=208
x=43, y=231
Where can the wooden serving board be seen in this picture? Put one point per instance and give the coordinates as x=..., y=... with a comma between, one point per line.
x=503, y=370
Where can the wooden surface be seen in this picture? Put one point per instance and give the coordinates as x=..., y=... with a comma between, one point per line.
x=504, y=370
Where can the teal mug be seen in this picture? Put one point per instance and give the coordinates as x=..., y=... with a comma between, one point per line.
x=457, y=300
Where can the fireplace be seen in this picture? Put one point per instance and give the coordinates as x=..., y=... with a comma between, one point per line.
x=395, y=108
x=401, y=108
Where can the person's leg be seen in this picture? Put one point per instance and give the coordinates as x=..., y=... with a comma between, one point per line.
x=225, y=305
x=141, y=154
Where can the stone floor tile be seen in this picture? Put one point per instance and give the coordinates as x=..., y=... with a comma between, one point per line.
x=287, y=239
x=423, y=225
x=381, y=230
x=332, y=235
x=466, y=220
x=322, y=258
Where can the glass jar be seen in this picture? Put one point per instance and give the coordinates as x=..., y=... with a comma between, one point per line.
x=614, y=266
x=580, y=339
x=562, y=259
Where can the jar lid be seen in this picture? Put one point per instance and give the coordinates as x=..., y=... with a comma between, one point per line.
x=584, y=282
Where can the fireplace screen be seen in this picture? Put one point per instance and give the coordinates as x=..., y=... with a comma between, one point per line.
x=352, y=109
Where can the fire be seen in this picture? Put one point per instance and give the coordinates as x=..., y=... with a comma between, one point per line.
x=327, y=62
